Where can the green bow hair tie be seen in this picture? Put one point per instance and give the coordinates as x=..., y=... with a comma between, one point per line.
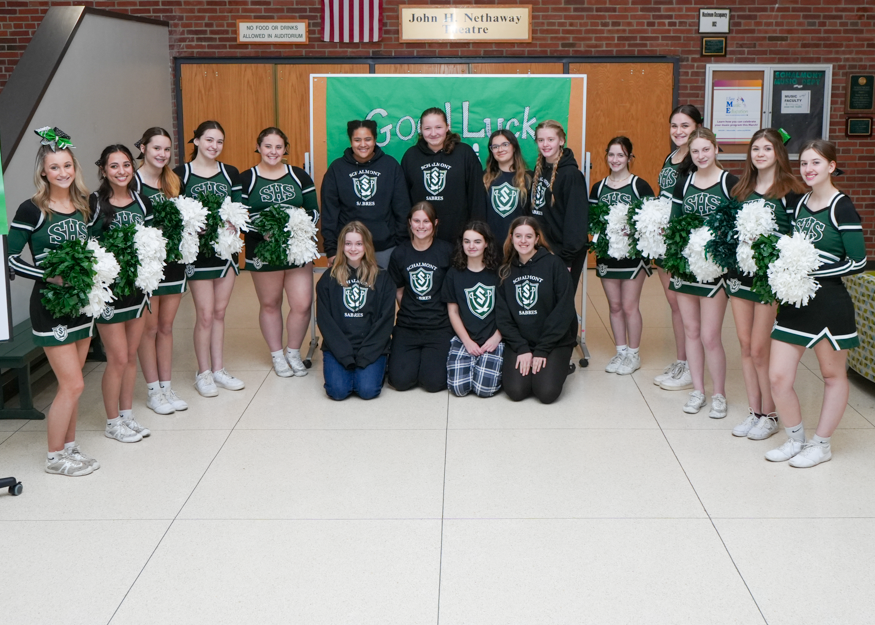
x=55, y=138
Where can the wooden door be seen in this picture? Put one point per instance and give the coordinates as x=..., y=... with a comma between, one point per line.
x=517, y=68
x=238, y=96
x=293, y=102
x=422, y=68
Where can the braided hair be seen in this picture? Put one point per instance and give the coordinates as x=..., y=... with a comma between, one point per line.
x=560, y=131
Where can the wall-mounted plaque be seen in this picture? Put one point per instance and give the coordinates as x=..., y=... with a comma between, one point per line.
x=861, y=93
x=713, y=46
x=859, y=127
x=713, y=21
x=272, y=31
x=482, y=22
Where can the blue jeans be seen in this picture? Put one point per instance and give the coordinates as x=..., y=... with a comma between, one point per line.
x=340, y=383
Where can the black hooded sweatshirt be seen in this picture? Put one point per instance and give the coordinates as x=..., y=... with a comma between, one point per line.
x=355, y=321
x=452, y=183
x=535, y=306
x=563, y=211
x=374, y=193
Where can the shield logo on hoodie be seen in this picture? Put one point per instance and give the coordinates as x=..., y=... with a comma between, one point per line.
x=421, y=281
x=540, y=199
x=435, y=179
x=504, y=199
x=481, y=300
x=527, y=294
x=365, y=187
x=355, y=296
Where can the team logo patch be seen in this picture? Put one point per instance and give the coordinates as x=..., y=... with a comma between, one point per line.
x=189, y=270
x=668, y=178
x=108, y=313
x=602, y=269
x=481, y=300
x=734, y=284
x=60, y=332
x=257, y=263
x=354, y=297
x=435, y=179
x=421, y=281
x=504, y=199
x=540, y=199
x=527, y=294
x=366, y=187
x=676, y=281
x=811, y=228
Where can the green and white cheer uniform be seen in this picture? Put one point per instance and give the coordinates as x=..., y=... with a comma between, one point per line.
x=44, y=233
x=837, y=233
x=668, y=176
x=174, y=273
x=610, y=268
x=295, y=189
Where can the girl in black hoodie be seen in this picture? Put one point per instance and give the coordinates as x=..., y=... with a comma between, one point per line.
x=365, y=185
x=507, y=182
x=559, y=198
x=445, y=172
x=355, y=311
x=536, y=316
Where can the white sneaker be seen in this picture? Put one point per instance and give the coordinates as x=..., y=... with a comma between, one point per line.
x=667, y=372
x=785, y=451
x=631, y=363
x=812, y=454
x=177, y=403
x=695, y=402
x=615, y=362
x=136, y=427
x=281, y=367
x=119, y=430
x=225, y=380
x=157, y=402
x=205, y=384
x=297, y=365
x=680, y=380
x=65, y=464
x=764, y=428
x=718, y=407
x=76, y=454
x=745, y=426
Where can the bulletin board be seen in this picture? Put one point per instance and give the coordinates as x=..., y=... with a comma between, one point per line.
x=793, y=97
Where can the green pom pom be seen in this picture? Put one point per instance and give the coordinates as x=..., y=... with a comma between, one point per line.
x=212, y=203
x=765, y=252
x=119, y=241
x=74, y=263
x=722, y=249
x=677, y=235
x=167, y=217
x=271, y=224
x=598, y=224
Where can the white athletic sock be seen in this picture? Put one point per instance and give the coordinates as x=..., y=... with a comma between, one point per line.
x=293, y=352
x=152, y=386
x=113, y=420
x=621, y=349
x=820, y=440
x=633, y=350
x=165, y=385
x=277, y=354
x=126, y=414
x=797, y=433
x=69, y=446
x=52, y=455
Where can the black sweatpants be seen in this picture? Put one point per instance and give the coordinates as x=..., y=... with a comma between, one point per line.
x=546, y=385
x=419, y=357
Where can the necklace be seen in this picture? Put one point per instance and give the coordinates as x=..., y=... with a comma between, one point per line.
x=618, y=181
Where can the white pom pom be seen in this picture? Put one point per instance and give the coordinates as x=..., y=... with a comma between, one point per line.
x=301, y=247
x=194, y=218
x=789, y=274
x=235, y=218
x=754, y=220
x=705, y=270
x=107, y=270
x=618, y=231
x=151, y=249
x=650, y=224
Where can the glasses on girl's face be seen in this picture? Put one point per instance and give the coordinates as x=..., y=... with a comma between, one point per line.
x=499, y=146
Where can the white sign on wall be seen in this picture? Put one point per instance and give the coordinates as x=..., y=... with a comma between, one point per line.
x=272, y=31
x=714, y=21
x=796, y=102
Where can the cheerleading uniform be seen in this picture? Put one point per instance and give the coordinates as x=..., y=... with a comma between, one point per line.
x=688, y=198
x=44, y=233
x=610, y=268
x=295, y=189
x=504, y=203
x=668, y=176
x=174, y=273
x=225, y=183
x=837, y=234
x=740, y=285
x=139, y=211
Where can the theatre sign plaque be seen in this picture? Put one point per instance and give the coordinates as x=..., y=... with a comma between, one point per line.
x=482, y=22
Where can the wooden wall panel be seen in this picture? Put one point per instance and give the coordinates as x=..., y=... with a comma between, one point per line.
x=516, y=68
x=422, y=68
x=293, y=101
x=238, y=96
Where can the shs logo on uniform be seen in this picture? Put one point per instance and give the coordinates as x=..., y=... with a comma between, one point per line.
x=277, y=193
x=355, y=297
x=365, y=187
x=481, y=300
x=421, y=281
x=527, y=294
x=504, y=199
x=209, y=187
x=435, y=179
x=811, y=228
x=67, y=230
x=668, y=178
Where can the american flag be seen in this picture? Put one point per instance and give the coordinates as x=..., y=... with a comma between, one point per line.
x=352, y=20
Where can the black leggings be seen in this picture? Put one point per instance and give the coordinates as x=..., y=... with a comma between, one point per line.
x=546, y=385
x=419, y=357
x=576, y=269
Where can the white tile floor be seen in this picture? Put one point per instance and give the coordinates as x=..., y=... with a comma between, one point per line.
x=276, y=505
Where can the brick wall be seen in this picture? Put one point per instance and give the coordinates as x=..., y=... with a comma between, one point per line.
x=840, y=32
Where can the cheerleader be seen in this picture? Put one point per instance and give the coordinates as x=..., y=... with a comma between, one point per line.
x=703, y=304
x=269, y=183
x=365, y=185
x=507, y=181
x=156, y=181
x=210, y=278
x=355, y=310
x=682, y=121
x=421, y=341
x=535, y=314
x=121, y=323
x=831, y=222
x=445, y=172
x=58, y=212
x=475, y=358
x=767, y=176
x=559, y=198
x=622, y=280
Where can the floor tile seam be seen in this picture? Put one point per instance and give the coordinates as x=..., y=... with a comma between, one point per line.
x=443, y=505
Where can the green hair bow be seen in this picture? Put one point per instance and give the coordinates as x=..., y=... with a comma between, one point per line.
x=55, y=138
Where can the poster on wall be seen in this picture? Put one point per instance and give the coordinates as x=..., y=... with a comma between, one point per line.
x=5, y=303
x=797, y=105
x=736, y=110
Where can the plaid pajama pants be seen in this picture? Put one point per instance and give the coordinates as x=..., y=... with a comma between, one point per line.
x=465, y=372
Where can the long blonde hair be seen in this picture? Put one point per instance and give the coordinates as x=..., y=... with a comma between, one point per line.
x=368, y=270
x=703, y=133
x=78, y=191
x=168, y=182
x=553, y=125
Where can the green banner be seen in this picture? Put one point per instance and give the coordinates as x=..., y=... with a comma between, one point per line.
x=475, y=106
x=4, y=225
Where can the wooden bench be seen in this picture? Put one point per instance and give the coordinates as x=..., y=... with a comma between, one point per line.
x=22, y=358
